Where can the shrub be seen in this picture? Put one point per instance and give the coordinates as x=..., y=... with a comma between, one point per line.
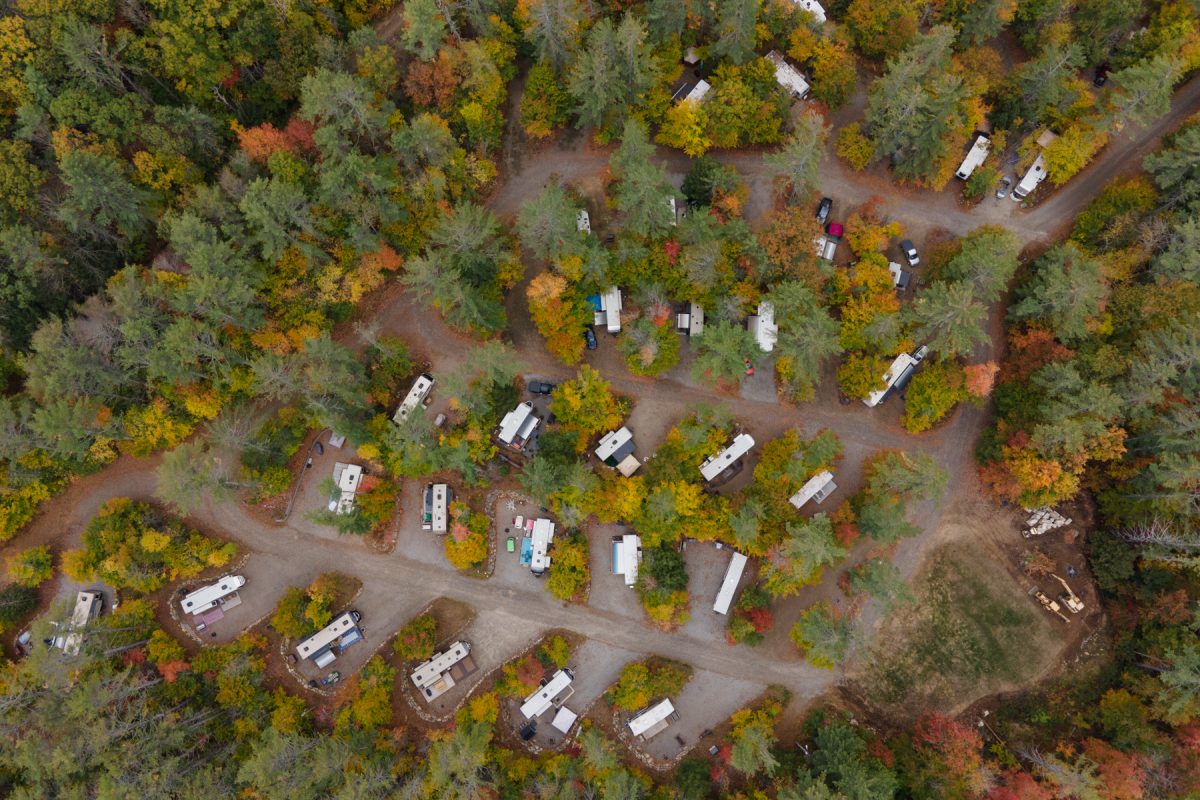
x=980, y=183
x=30, y=567
x=467, y=542
x=544, y=105
x=15, y=602
x=416, y=640
x=853, y=147
x=822, y=635
x=302, y=612
x=369, y=698
x=131, y=545
x=642, y=681
x=557, y=651
x=570, y=574
x=933, y=393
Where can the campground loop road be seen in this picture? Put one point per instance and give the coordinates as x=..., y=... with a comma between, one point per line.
x=296, y=555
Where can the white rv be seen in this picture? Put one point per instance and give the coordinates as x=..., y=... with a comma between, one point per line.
x=974, y=158
x=814, y=8
x=729, y=584
x=609, y=314
x=763, y=326
x=583, y=222
x=788, y=76
x=897, y=376
x=88, y=606
x=517, y=426
x=713, y=466
x=543, y=535
x=416, y=395
x=1035, y=175
x=437, y=501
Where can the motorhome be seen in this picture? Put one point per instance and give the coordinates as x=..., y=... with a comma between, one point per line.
x=1035, y=175
x=763, y=326
x=897, y=376
x=88, y=606
x=729, y=584
x=713, y=466
x=816, y=489
x=437, y=501
x=336, y=636
x=976, y=157
x=788, y=76
x=517, y=426
x=416, y=395
x=616, y=450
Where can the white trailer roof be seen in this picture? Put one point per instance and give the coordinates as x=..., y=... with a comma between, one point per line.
x=974, y=158
x=729, y=584
x=651, y=718
x=1035, y=175
x=583, y=222
x=513, y=420
x=715, y=465
x=540, y=701
x=347, y=478
x=87, y=608
x=627, y=554
x=611, y=302
x=428, y=672
x=441, y=495
x=416, y=394
x=691, y=321
x=698, y=91
x=902, y=362
x=818, y=487
x=612, y=441
x=326, y=636
x=629, y=465
x=564, y=719
x=206, y=597
x=543, y=535
x=763, y=326
x=814, y=8
x=788, y=76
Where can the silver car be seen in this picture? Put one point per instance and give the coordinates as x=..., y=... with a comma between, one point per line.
x=1002, y=189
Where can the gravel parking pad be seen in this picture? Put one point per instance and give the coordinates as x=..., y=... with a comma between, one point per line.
x=412, y=542
x=706, y=567
x=609, y=591
x=707, y=701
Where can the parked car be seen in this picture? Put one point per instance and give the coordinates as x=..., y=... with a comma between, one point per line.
x=1005, y=185
x=910, y=252
x=354, y=615
x=589, y=336
x=540, y=387
x=824, y=209
x=919, y=356
x=1101, y=75
x=902, y=281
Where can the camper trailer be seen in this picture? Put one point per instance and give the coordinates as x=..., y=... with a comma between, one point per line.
x=974, y=158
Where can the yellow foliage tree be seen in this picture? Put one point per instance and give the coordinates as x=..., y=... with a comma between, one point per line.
x=560, y=315
x=686, y=128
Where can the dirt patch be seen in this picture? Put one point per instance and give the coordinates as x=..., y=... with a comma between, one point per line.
x=972, y=632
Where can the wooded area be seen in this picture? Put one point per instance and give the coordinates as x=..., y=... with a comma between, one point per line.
x=194, y=196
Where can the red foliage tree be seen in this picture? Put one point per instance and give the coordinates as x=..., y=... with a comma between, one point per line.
x=1031, y=349
x=1019, y=785
x=1121, y=773
x=170, y=670
x=262, y=141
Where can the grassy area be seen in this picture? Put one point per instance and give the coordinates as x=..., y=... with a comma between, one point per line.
x=971, y=632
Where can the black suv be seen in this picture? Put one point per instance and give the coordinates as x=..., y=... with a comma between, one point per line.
x=824, y=209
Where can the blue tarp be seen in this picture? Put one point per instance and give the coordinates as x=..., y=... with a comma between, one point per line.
x=594, y=299
x=526, y=551
x=349, y=638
